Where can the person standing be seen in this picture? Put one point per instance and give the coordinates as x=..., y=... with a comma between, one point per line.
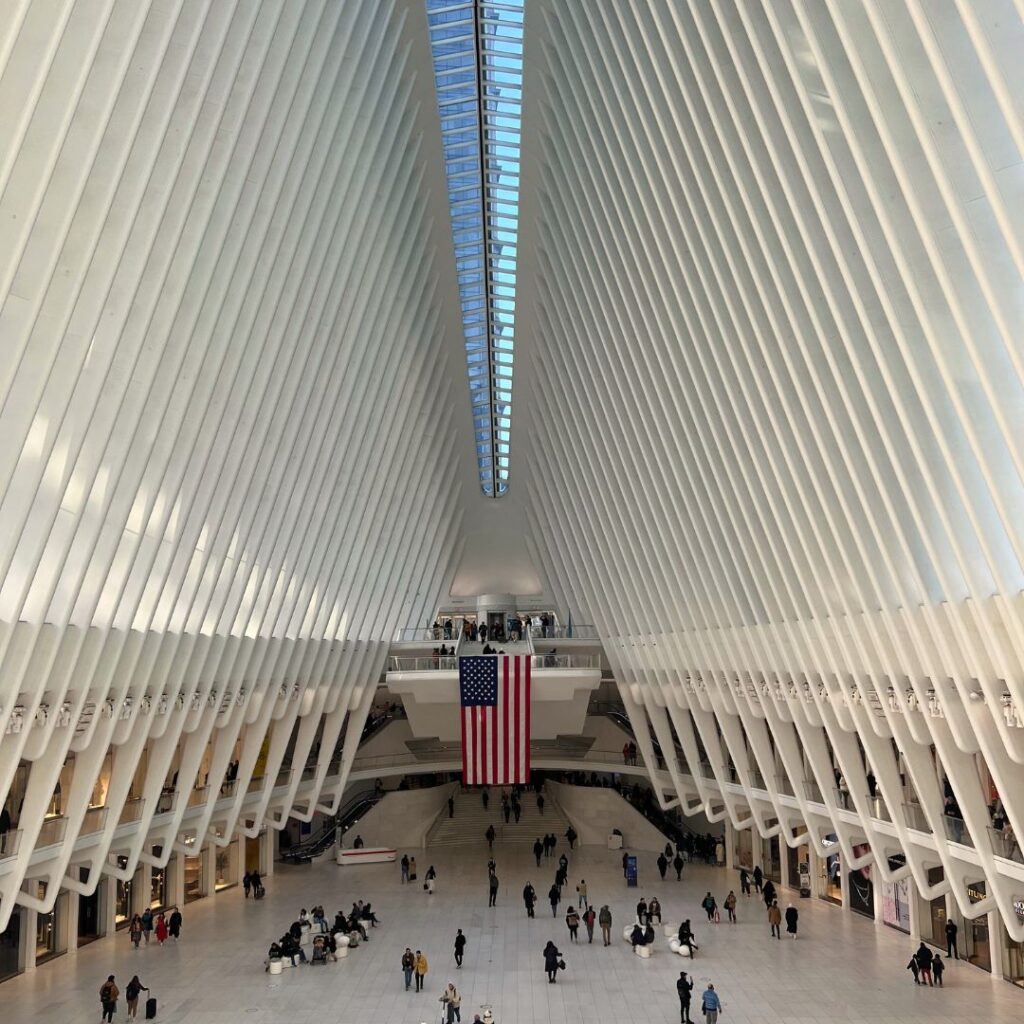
x=554, y=898
x=662, y=865
x=792, y=916
x=768, y=893
x=951, y=948
x=485, y=796
x=572, y=922
x=492, y=888
x=744, y=882
x=405, y=868
x=408, y=966
x=571, y=836
x=460, y=948
x=758, y=877
x=420, y=967
x=540, y=802
x=529, y=898
x=131, y=996
x=677, y=863
x=451, y=807
x=108, y=999
x=711, y=1004
x=147, y=924
x=588, y=919
x=625, y=862
x=135, y=930
x=924, y=963
x=684, y=986
x=174, y=924
x=452, y=1001
x=730, y=905
x=551, y=960
x=490, y=833
x=538, y=851
x=775, y=920
x=247, y=883
x=581, y=893
x=161, y=929
x=937, y=968
x=604, y=919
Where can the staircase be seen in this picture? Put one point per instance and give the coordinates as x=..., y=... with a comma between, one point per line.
x=469, y=825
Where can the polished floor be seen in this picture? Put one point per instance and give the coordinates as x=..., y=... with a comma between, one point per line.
x=841, y=970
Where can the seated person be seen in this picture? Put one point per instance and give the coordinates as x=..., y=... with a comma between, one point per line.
x=340, y=924
x=368, y=915
x=273, y=954
x=332, y=946
x=291, y=949
x=355, y=925
x=686, y=937
x=304, y=921
x=296, y=931
x=637, y=936
x=649, y=934
x=654, y=910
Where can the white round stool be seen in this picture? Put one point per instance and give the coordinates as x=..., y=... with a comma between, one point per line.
x=670, y=930
x=342, y=951
x=276, y=967
x=644, y=952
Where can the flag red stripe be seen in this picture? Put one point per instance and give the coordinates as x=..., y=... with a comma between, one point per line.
x=514, y=724
x=526, y=737
x=504, y=714
x=467, y=777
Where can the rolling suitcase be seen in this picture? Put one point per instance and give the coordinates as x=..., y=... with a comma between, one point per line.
x=150, y=1008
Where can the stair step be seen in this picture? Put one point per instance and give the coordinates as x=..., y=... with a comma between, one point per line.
x=469, y=824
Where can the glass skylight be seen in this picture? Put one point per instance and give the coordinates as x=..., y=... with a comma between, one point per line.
x=478, y=68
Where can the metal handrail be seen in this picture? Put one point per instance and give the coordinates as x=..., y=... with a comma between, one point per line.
x=447, y=663
x=9, y=843
x=1005, y=845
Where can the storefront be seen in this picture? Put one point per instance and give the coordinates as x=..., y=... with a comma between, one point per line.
x=50, y=941
x=933, y=912
x=831, y=867
x=89, y=926
x=252, y=853
x=10, y=947
x=798, y=862
x=122, y=898
x=195, y=887
x=896, y=905
x=1013, y=951
x=158, y=883
x=743, y=848
x=771, y=861
x=226, y=864
x=976, y=936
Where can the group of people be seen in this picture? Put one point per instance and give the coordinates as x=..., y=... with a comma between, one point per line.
x=408, y=868
x=253, y=883
x=354, y=925
x=163, y=925
x=110, y=993
x=925, y=966
x=629, y=753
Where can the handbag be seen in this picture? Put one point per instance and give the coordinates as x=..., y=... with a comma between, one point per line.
x=561, y=965
x=425, y=886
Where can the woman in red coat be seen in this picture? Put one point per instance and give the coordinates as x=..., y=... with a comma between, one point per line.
x=161, y=929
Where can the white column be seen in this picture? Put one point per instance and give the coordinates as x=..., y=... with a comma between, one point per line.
x=996, y=944
x=730, y=843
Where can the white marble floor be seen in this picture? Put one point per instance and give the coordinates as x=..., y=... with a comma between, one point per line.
x=842, y=969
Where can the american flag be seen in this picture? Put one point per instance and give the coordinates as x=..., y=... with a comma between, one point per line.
x=495, y=697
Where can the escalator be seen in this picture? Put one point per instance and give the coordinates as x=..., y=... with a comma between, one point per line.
x=336, y=827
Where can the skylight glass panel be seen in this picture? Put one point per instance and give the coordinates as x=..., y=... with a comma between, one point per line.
x=478, y=69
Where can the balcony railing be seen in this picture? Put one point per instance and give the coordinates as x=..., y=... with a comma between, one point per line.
x=916, y=817
x=131, y=811
x=427, y=664
x=428, y=634
x=94, y=820
x=566, y=661
x=198, y=796
x=577, y=631
x=957, y=831
x=784, y=784
x=52, y=831
x=9, y=844
x=1004, y=844
x=813, y=792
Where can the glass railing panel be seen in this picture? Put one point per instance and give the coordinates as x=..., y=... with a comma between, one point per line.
x=94, y=821
x=10, y=842
x=53, y=831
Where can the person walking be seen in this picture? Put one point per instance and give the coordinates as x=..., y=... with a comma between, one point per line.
x=588, y=919
x=485, y=796
x=571, y=835
x=684, y=986
x=131, y=996
x=108, y=999
x=915, y=969
x=581, y=893
x=792, y=916
x=529, y=898
x=540, y=802
x=451, y=807
x=775, y=920
x=572, y=922
x=938, y=966
x=744, y=882
x=408, y=966
x=604, y=919
x=420, y=968
x=161, y=929
x=492, y=889
x=412, y=869
x=538, y=851
x=490, y=833
x=662, y=865
x=924, y=963
x=554, y=898
x=551, y=961
x=147, y=924
x=405, y=868
x=460, y=948
x=677, y=863
x=247, y=883
x=758, y=877
x=710, y=906
x=730, y=905
x=951, y=948
x=452, y=1002
x=135, y=930
x=174, y=924
x=711, y=1004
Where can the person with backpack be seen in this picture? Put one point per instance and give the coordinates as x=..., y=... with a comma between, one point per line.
x=604, y=919
x=588, y=919
x=915, y=969
x=572, y=921
x=108, y=999
x=460, y=948
x=452, y=1002
x=710, y=906
x=408, y=966
x=131, y=995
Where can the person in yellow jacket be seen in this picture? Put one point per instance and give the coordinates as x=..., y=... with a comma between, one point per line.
x=775, y=919
x=421, y=969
